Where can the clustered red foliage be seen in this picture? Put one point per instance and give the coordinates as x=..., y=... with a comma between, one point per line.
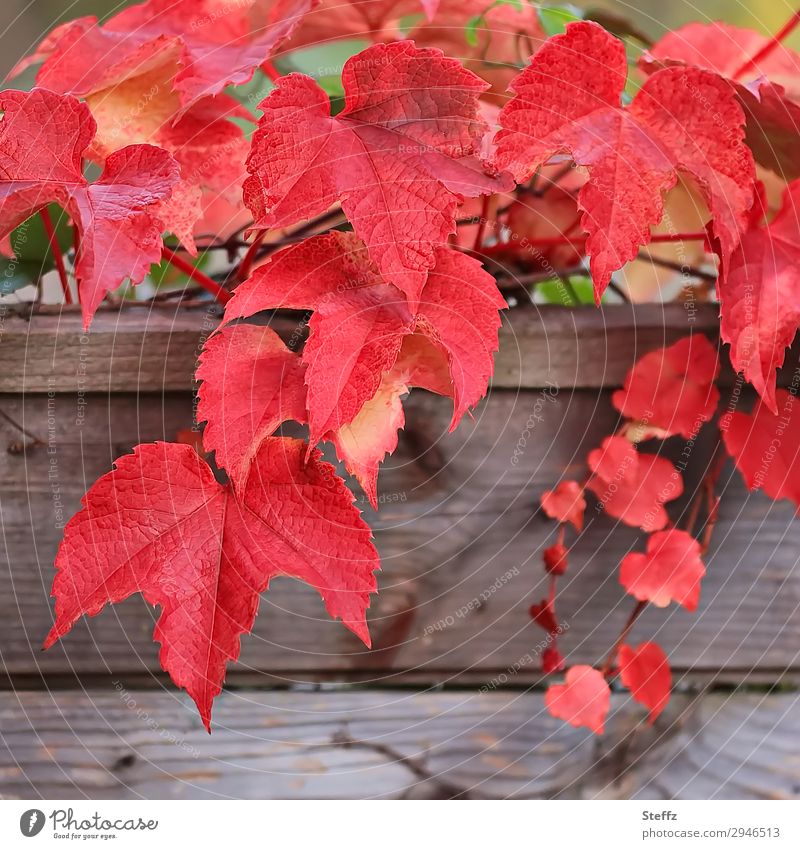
x=431, y=195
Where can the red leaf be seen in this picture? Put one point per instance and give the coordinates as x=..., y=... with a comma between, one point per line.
x=544, y=616
x=42, y=139
x=161, y=525
x=765, y=448
x=555, y=559
x=645, y=672
x=568, y=98
x=760, y=294
x=584, y=700
x=768, y=92
x=360, y=322
x=672, y=390
x=631, y=486
x=398, y=156
x=552, y=660
x=671, y=570
x=565, y=503
x=251, y=383
x=206, y=45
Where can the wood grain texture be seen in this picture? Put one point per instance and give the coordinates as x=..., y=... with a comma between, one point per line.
x=460, y=536
x=391, y=744
x=156, y=349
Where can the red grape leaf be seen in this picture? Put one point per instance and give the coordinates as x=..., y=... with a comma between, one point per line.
x=398, y=156
x=251, y=384
x=583, y=700
x=161, y=525
x=565, y=503
x=768, y=92
x=43, y=137
x=631, y=486
x=360, y=322
x=552, y=660
x=568, y=99
x=544, y=616
x=206, y=45
x=672, y=390
x=760, y=295
x=765, y=448
x=645, y=672
x=670, y=570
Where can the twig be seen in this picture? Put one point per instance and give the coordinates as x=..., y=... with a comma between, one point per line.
x=678, y=266
x=222, y=295
x=55, y=250
x=772, y=44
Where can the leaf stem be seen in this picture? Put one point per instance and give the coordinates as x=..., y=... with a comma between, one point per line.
x=246, y=265
x=55, y=250
x=270, y=70
x=222, y=295
x=623, y=635
x=752, y=63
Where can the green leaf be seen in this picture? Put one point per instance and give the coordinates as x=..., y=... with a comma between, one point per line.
x=554, y=19
x=577, y=291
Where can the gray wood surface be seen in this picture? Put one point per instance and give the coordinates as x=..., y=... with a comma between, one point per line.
x=139, y=349
x=460, y=536
x=119, y=743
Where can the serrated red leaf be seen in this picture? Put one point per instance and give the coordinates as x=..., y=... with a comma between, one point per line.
x=565, y=503
x=645, y=671
x=207, y=46
x=251, y=384
x=632, y=486
x=43, y=137
x=765, y=448
x=161, y=525
x=360, y=322
x=769, y=92
x=760, y=297
x=671, y=390
x=398, y=156
x=568, y=98
x=583, y=700
x=670, y=570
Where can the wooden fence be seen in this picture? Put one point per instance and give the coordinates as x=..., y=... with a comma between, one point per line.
x=448, y=703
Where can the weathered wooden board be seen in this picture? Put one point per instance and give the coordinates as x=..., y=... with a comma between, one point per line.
x=138, y=349
x=460, y=537
x=391, y=744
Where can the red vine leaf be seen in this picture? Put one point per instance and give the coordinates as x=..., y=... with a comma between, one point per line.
x=765, y=448
x=43, y=137
x=205, y=46
x=565, y=503
x=760, y=294
x=645, y=671
x=360, y=322
x=632, y=486
x=552, y=660
x=670, y=570
x=251, y=384
x=583, y=700
x=399, y=156
x=769, y=92
x=568, y=99
x=161, y=525
x=544, y=616
x=671, y=390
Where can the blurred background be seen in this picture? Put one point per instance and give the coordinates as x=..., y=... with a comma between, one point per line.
x=24, y=22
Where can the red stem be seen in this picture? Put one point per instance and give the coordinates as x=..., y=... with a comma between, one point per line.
x=772, y=44
x=245, y=266
x=623, y=635
x=55, y=250
x=270, y=70
x=222, y=295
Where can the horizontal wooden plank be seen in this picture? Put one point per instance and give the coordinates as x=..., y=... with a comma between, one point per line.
x=150, y=350
x=391, y=744
x=460, y=536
